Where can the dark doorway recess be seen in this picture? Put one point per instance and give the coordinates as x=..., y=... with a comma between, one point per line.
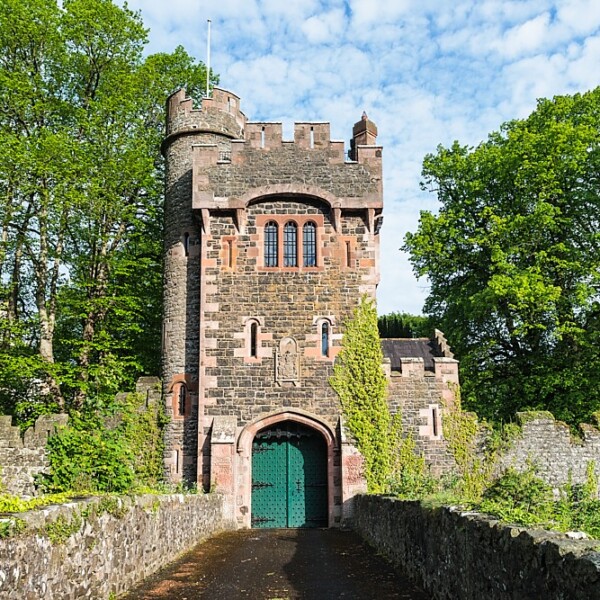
x=289, y=477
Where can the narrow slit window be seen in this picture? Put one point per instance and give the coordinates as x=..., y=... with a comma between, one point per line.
x=181, y=400
x=230, y=254
x=271, y=243
x=176, y=461
x=254, y=339
x=434, y=419
x=348, y=254
x=325, y=339
x=262, y=137
x=186, y=243
x=309, y=242
x=312, y=137
x=290, y=241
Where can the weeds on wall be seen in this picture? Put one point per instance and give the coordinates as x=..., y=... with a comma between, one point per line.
x=522, y=498
x=409, y=475
x=474, y=462
x=517, y=497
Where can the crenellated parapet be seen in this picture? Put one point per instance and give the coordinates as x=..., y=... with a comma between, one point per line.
x=23, y=457
x=262, y=164
x=219, y=115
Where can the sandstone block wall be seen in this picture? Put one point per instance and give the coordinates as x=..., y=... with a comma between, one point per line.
x=458, y=556
x=23, y=457
x=110, y=551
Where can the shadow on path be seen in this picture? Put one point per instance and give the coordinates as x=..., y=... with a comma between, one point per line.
x=280, y=564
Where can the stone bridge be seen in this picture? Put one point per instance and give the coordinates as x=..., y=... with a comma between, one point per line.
x=104, y=547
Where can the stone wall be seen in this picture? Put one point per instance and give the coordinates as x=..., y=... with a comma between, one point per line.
x=552, y=449
x=420, y=396
x=22, y=457
x=466, y=556
x=115, y=544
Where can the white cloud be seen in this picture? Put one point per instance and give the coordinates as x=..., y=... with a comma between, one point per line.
x=324, y=28
x=525, y=37
x=426, y=72
x=582, y=17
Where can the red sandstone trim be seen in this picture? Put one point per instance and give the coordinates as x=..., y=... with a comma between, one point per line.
x=300, y=221
x=244, y=449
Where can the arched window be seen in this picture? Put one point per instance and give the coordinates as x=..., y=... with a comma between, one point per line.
x=254, y=339
x=271, y=243
x=181, y=400
x=325, y=338
x=309, y=244
x=290, y=244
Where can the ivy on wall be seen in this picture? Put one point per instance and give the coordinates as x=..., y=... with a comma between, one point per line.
x=361, y=385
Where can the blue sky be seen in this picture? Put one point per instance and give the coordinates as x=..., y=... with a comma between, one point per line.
x=426, y=71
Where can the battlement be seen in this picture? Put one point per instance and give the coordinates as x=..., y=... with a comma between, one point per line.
x=219, y=114
x=444, y=369
x=308, y=136
x=34, y=437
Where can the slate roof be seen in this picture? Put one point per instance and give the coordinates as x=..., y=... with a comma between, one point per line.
x=397, y=348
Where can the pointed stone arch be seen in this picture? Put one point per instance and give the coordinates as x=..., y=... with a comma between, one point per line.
x=244, y=451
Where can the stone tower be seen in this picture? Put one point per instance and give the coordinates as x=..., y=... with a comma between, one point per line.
x=269, y=245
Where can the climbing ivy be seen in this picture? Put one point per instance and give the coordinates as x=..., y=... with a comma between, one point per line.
x=360, y=383
x=409, y=476
x=474, y=468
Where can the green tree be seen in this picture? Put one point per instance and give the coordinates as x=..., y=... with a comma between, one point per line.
x=513, y=260
x=404, y=325
x=81, y=180
x=360, y=383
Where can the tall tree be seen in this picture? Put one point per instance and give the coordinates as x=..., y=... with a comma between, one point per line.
x=81, y=119
x=514, y=263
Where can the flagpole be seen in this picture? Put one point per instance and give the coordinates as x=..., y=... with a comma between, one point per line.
x=208, y=60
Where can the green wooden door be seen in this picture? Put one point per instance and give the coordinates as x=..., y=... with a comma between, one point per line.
x=289, y=477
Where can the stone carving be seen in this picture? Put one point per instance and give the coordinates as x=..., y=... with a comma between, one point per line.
x=287, y=367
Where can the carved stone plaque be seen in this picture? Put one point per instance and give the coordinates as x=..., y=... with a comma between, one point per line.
x=287, y=362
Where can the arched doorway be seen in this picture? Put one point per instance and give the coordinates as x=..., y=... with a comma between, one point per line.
x=289, y=477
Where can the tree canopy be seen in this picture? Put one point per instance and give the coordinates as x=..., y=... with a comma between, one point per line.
x=513, y=260
x=404, y=325
x=81, y=120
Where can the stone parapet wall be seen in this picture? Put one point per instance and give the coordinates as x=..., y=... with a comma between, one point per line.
x=552, y=449
x=22, y=457
x=421, y=397
x=462, y=556
x=117, y=543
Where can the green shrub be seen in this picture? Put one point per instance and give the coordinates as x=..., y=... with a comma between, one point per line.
x=520, y=497
x=89, y=456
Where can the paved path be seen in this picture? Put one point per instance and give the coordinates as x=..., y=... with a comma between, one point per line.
x=280, y=564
